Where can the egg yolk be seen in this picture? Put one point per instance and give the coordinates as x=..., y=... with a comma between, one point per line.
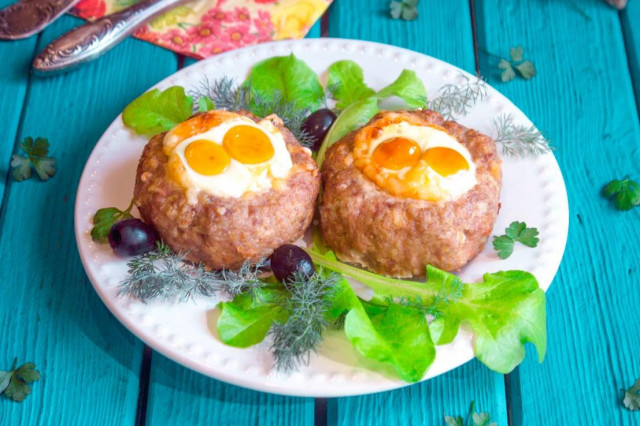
x=248, y=145
x=445, y=161
x=397, y=153
x=206, y=157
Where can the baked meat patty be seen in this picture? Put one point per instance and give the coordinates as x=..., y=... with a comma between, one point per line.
x=223, y=232
x=398, y=236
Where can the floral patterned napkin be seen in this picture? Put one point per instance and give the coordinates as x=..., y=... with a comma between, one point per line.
x=205, y=27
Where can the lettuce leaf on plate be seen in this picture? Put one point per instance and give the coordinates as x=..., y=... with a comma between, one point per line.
x=291, y=78
x=358, y=110
x=155, y=112
x=346, y=83
x=504, y=311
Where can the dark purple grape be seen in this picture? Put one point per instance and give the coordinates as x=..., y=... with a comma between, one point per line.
x=288, y=259
x=131, y=237
x=317, y=124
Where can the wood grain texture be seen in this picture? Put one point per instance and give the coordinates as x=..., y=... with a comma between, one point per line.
x=13, y=88
x=582, y=99
x=426, y=403
x=49, y=313
x=443, y=30
x=179, y=396
x=630, y=18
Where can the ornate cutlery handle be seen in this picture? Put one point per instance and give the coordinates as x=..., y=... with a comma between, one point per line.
x=27, y=17
x=93, y=39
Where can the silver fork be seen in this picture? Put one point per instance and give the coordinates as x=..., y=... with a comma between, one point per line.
x=88, y=41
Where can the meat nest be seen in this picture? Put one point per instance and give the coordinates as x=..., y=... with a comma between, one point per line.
x=397, y=236
x=223, y=232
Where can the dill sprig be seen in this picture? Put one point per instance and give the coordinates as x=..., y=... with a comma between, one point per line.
x=228, y=95
x=302, y=332
x=456, y=100
x=517, y=139
x=165, y=275
x=450, y=291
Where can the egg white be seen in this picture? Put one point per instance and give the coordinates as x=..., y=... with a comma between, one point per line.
x=437, y=187
x=238, y=179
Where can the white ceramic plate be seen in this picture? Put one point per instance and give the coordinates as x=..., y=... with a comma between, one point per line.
x=533, y=191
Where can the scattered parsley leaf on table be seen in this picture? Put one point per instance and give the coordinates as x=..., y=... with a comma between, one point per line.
x=404, y=9
x=508, y=73
x=625, y=193
x=104, y=219
x=14, y=384
x=517, y=231
x=155, y=112
x=36, y=154
x=454, y=421
x=632, y=397
x=479, y=419
x=526, y=69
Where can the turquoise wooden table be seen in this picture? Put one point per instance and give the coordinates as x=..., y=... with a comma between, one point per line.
x=585, y=98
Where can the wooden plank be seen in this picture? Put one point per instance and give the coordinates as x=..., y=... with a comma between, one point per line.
x=426, y=403
x=49, y=313
x=583, y=100
x=180, y=396
x=12, y=92
x=630, y=17
x=443, y=30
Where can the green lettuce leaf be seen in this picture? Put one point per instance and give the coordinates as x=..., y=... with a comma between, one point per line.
x=291, y=78
x=394, y=334
x=504, y=311
x=246, y=320
x=354, y=116
x=346, y=83
x=408, y=87
x=156, y=112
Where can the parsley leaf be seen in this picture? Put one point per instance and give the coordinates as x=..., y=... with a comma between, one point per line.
x=625, y=193
x=155, y=111
x=526, y=69
x=632, y=397
x=479, y=419
x=454, y=421
x=503, y=245
x=404, y=9
x=517, y=231
x=104, y=219
x=507, y=74
x=36, y=154
x=516, y=53
x=15, y=383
